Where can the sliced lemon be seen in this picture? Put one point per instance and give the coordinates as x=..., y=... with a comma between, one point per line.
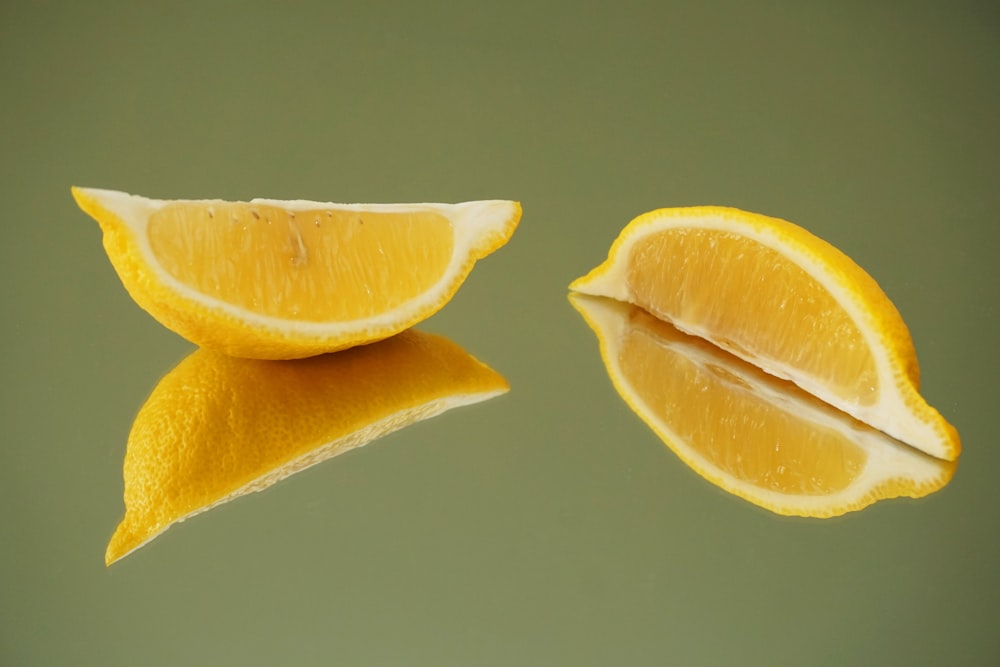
x=218, y=427
x=777, y=296
x=286, y=279
x=748, y=432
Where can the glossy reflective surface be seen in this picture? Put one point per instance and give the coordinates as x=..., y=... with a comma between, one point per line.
x=548, y=526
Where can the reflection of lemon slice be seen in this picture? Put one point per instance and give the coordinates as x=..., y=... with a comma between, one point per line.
x=284, y=279
x=752, y=434
x=218, y=427
x=775, y=295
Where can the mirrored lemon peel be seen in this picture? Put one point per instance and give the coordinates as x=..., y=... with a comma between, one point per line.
x=218, y=427
x=274, y=279
x=749, y=433
x=782, y=299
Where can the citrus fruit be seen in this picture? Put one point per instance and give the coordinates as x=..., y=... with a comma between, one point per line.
x=217, y=427
x=777, y=296
x=748, y=432
x=274, y=279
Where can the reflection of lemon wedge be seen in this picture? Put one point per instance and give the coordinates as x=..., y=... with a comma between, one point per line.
x=274, y=279
x=753, y=435
x=218, y=427
x=775, y=295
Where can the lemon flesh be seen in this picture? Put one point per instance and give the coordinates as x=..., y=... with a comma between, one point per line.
x=777, y=296
x=313, y=265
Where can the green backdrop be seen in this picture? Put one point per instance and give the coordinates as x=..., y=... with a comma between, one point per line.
x=548, y=526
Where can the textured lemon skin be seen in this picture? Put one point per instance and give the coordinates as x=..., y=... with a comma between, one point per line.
x=217, y=427
x=215, y=328
x=890, y=470
x=902, y=412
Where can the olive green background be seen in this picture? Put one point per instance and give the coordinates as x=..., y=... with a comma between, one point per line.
x=548, y=526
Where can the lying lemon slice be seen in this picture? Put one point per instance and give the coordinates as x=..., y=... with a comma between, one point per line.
x=218, y=427
x=273, y=279
x=749, y=433
x=775, y=295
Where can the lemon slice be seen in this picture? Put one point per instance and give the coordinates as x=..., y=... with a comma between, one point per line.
x=773, y=294
x=749, y=433
x=285, y=279
x=218, y=427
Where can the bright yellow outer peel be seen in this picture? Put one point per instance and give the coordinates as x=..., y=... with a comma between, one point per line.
x=218, y=427
x=754, y=435
x=273, y=279
x=777, y=296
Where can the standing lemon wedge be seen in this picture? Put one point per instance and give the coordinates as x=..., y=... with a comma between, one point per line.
x=777, y=296
x=756, y=436
x=274, y=279
x=218, y=427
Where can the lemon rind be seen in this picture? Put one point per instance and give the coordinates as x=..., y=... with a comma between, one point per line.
x=900, y=411
x=479, y=228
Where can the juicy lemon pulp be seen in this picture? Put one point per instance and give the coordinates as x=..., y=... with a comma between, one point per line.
x=751, y=283
x=289, y=264
x=726, y=422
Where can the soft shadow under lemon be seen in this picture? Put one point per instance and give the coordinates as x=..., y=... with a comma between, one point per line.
x=749, y=433
x=218, y=427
